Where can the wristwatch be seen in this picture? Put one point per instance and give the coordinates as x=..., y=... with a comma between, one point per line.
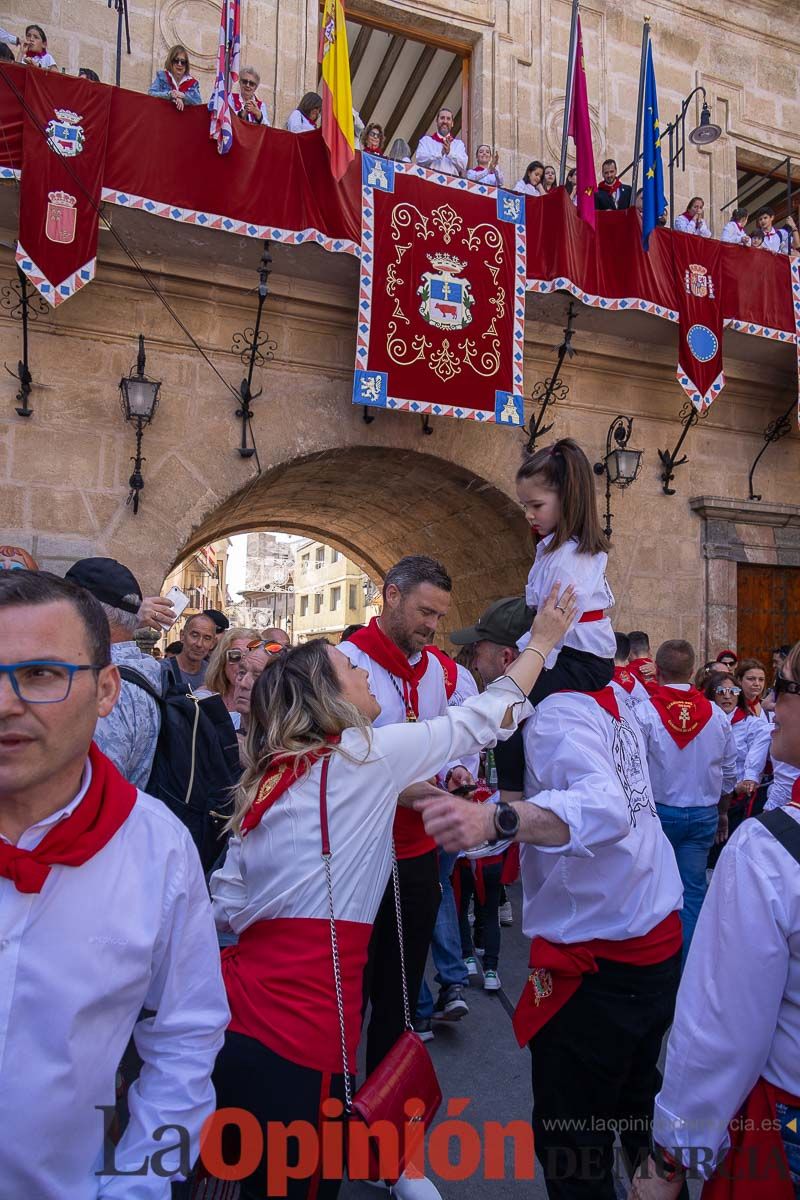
x=506, y=822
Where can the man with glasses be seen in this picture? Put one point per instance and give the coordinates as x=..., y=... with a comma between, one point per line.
x=198, y=639
x=259, y=652
x=691, y=754
x=246, y=103
x=103, y=913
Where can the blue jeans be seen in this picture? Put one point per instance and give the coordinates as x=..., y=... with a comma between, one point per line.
x=446, y=943
x=691, y=833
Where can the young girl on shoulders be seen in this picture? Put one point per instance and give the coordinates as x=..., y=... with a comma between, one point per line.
x=555, y=487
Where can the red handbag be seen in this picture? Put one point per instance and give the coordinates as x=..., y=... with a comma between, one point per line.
x=406, y=1073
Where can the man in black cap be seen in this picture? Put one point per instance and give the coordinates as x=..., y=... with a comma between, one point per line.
x=128, y=735
x=221, y=622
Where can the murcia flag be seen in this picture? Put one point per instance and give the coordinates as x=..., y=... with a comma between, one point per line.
x=337, y=97
x=580, y=130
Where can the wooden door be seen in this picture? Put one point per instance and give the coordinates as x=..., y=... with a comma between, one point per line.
x=768, y=600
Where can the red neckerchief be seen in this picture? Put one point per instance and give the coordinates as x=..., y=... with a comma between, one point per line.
x=741, y=714
x=691, y=217
x=635, y=668
x=277, y=779
x=605, y=698
x=609, y=187
x=382, y=650
x=78, y=837
x=36, y=53
x=184, y=84
x=683, y=714
x=625, y=679
x=437, y=137
x=237, y=104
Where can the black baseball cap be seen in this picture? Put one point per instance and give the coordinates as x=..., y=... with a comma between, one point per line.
x=220, y=620
x=503, y=623
x=108, y=581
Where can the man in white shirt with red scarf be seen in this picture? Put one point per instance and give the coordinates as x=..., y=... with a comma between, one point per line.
x=691, y=754
x=440, y=151
x=601, y=894
x=103, y=913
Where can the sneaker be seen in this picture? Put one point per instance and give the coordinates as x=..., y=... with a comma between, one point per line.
x=471, y=964
x=505, y=914
x=491, y=981
x=451, y=1005
x=407, y=1188
x=422, y=1027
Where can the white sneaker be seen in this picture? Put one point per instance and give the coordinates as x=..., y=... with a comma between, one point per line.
x=471, y=964
x=505, y=913
x=491, y=981
x=415, y=1189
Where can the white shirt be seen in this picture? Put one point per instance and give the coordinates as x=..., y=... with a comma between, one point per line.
x=632, y=698
x=466, y=687
x=430, y=154
x=587, y=573
x=492, y=176
x=733, y=232
x=129, y=929
x=529, y=189
x=237, y=103
x=776, y=241
x=297, y=123
x=616, y=877
x=276, y=870
x=697, y=775
x=752, y=736
x=738, y=1009
x=780, y=790
x=685, y=225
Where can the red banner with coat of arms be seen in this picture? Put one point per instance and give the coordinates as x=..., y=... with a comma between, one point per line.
x=698, y=280
x=442, y=295
x=64, y=152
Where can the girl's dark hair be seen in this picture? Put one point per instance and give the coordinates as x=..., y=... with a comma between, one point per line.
x=39, y=30
x=526, y=178
x=564, y=468
x=309, y=102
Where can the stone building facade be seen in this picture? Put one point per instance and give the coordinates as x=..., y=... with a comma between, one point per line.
x=378, y=491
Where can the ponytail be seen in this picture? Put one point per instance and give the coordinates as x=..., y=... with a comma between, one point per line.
x=564, y=468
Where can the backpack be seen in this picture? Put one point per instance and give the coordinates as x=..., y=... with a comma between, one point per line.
x=196, y=763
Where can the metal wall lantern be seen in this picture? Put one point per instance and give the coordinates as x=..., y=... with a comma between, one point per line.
x=621, y=465
x=139, y=398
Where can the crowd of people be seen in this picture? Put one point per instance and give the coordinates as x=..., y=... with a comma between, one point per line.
x=440, y=150
x=218, y=870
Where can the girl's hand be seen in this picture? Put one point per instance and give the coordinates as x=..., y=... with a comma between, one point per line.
x=554, y=618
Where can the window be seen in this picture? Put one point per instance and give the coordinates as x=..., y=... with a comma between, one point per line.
x=305, y=562
x=336, y=597
x=353, y=597
x=318, y=603
x=304, y=606
x=335, y=556
x=319, y=556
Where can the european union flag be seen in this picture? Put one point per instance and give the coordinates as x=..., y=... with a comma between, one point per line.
x=654, y=202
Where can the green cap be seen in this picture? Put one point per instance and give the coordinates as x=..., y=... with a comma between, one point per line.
x=503, y=623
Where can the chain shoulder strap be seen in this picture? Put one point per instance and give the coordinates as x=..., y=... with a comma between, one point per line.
x=399, y=915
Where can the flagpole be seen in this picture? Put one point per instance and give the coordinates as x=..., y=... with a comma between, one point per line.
x=573, y=37
x=639, y=111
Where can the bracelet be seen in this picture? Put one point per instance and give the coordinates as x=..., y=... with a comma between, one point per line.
x=536, y=650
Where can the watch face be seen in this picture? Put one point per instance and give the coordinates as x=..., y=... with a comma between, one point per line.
x=506, y=820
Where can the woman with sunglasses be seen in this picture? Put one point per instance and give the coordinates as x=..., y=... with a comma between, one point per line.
x=223, y=668
x=176, y=82
x=731, y=1091
x=312, y=748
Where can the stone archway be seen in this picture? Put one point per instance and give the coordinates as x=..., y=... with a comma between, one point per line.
x=376, y=504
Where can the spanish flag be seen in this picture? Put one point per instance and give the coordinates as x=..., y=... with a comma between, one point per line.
x=337, y=96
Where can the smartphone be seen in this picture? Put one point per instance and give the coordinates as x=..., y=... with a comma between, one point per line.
x=466, y=789
x=178, y=599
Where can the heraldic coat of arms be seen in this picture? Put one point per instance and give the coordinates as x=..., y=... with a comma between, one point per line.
x=446, y=301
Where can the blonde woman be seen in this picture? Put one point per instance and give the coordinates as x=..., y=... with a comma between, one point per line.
x=311, y=737
x=224, y=666
x=176, y=82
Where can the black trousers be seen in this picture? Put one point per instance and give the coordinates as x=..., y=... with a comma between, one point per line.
x=574, y=671
x=420, y=893
x=248, y=1075
x=594, y=1072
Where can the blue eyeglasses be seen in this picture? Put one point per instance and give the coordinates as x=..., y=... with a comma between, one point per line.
x=42, y=681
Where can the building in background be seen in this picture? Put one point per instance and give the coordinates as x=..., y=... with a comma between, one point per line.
x=203, y=577
x=331, y=592
x=267, y=599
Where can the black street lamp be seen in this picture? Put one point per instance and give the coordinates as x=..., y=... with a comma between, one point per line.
x=620, y=466
x=703, y=135
x=139, y=397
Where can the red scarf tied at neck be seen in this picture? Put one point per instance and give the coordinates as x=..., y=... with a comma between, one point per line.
x=625, y=679
x=683, y=713
x=610, y=187
x=77, y=838
x=387, y=654
x=278, y=778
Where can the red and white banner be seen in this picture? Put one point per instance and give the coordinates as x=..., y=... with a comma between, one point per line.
x=442, y=295
x=64, y=151
x=698, y=281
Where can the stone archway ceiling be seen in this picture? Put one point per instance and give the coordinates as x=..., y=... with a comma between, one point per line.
x=376, y=505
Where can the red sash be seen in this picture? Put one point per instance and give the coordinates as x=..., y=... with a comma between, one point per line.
x=594, y=614
x=73, y=841
x=557, y=970
x=755, y=1167
x=277, y=779
x=625, y=679
x=683, y=714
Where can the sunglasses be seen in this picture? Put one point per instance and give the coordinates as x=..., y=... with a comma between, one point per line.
x=728, y=691
x=234, y=655
x=270, y=647
x=180, y=62
x=786, y=686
